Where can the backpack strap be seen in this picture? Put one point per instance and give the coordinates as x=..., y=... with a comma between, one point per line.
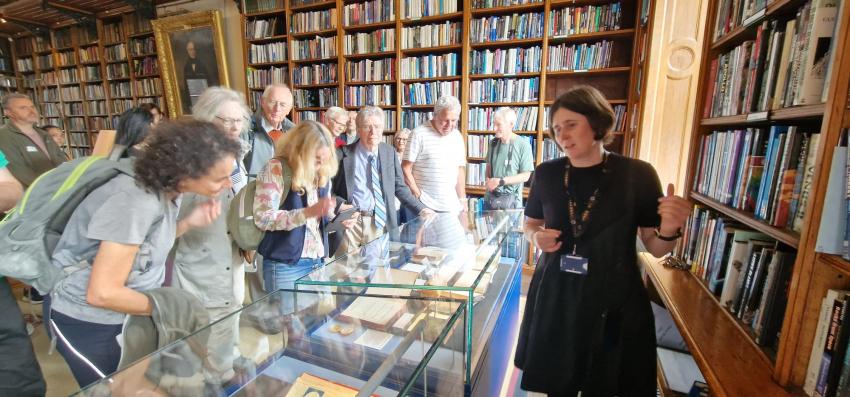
x=287, y=181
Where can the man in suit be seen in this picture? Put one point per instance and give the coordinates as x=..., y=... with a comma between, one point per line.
x=369, y=178
x=267, y=126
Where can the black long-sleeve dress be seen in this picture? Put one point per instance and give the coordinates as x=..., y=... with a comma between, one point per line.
x=593, y=332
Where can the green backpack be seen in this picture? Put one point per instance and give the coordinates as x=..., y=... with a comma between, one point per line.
x=30, y=232
x=240, y=215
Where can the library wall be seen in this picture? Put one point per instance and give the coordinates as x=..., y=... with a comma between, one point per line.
x=673, y=72
x=230, y=19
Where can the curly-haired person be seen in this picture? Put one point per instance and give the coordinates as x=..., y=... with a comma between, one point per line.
x=119, y=236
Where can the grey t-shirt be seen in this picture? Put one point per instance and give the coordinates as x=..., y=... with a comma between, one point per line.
x=120, y=212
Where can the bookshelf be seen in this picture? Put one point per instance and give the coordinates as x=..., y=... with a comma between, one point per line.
x=740, y=114
x=406, y=54
x=85, y=75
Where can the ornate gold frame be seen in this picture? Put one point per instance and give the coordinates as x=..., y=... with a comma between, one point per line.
x=163, y=27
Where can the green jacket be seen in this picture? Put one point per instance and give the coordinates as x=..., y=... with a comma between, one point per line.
x=26, y=160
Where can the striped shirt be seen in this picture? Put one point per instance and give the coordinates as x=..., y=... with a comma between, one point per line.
x=436, y=160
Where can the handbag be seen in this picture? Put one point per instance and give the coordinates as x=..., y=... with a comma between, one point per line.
x=499, y=200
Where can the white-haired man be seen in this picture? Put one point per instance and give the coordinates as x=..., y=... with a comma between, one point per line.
x=269, y=124
x=509, y=163
x=336, y=119
x=434, y=162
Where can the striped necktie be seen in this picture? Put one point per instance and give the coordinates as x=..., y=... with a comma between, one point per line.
x=380, y=206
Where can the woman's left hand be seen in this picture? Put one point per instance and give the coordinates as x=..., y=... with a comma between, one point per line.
x=203, y=214
x=674, y=211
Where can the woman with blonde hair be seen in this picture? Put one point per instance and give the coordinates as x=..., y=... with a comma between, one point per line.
x=296, y=238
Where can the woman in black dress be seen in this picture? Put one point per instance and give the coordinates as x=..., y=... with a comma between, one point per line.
x=588, y=324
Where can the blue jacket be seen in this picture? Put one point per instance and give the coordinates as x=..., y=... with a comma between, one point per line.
x=286, y=245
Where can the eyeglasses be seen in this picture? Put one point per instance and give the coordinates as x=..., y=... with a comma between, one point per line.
x=278, y=103
x=230, y=122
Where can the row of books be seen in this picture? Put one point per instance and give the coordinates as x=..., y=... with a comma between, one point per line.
x=24, y=46
x=587, y=19
x=500, y=3
x=767, y=173
x=584, y=56
x=24, y=64
x=313, y=20
x=551, y=150
x=370, y=70
x=117, y=70
x=786, y=65
x=78, y=152
x=733, y=13
x=322, y=97
x=71, y=93
x=504, y=90
x=145, y=66
x=414, y=118
x=252, y=6
x=50, y=95
x=148, y=86
x=62, y=37
x=66, y=58
x=389, y=122
x=120, y=90
x=316, y=48
x=100, y=123
x=506, y=27
x=112, y=32
x=91, y=73
x=67, y=76
x=142, y=46
x=372, y=11
x=45, y=61
x=428, y=93
x=74, y=109
x=96, y=107
x=76, y=124
x=48, y=78
x=138, y=23
x=260, y=78
x=431, y=65
x=50, y=110
x=443, y=34
x=115, y=53
x=477, y=145
x=426, y=8
x=368, y=42
x=320, y=73
x=747, y=271
x=121, y=105
x=481, y=118
x=78, y=138
x=506, y=60
x=620, y=118
x=158, y=101
x=828, y=372
x=94, y=92
x=89, y=54
x=254, y=98
x=269, y=52
x=261, y=28
x=476, y=174
x=374, y=94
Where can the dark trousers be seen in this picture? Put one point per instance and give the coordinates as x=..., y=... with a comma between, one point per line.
x=20, y=374
x=90, y=349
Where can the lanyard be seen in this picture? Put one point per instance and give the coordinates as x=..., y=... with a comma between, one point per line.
x=578, y=225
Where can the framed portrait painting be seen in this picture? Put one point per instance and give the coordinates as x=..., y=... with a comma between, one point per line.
x=191, y=56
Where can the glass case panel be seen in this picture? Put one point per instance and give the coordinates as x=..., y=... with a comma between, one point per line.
x=468, y=257
x=335, y=343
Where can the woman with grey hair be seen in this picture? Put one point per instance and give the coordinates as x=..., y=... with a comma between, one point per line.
x=207, y=262
x=509, y=163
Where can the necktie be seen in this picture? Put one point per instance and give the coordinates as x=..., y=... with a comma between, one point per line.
x=275, y=135
x=236, y=177
x=380, y=206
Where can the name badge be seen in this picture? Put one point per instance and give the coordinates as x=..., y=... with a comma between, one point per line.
x=574, y=264
x=32, y=149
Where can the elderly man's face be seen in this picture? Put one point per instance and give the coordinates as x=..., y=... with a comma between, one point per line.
x=21, y=110
x=446, y=121
x=371, y=132
x=276, y=105
x=337, y=125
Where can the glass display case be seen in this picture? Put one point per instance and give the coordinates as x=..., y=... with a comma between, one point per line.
x=333, y=344
x=470, y=258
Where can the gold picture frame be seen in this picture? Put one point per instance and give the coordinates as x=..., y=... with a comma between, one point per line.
x=191, y=57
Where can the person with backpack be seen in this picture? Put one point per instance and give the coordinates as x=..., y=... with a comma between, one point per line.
x=207, y=262
x=134, y=126
x=296, y=238
x=116, y=241
x=20, y=373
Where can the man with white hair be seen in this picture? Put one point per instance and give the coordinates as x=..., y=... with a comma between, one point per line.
x=509, y=163
x=268, y=124
x=336, y=119
x=434, y=162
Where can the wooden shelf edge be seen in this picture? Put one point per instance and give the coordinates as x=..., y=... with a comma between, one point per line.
x=786, y=236
x=719, y=347
x=592, y=35
x=507, y=9
x=835, y=261
x=432, y=18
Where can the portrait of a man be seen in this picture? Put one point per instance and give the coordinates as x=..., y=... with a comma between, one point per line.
x=194, y=58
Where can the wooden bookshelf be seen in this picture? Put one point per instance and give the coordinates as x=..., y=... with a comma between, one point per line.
x=723, y=346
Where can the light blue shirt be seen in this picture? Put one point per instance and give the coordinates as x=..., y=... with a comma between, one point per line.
x=361, y=192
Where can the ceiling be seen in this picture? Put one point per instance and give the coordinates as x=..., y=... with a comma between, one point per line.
x=21, y=14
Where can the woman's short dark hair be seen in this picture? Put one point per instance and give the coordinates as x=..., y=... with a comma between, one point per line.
x=590, y=103
x=181, y=150
x=133, y=127
x=148, y=106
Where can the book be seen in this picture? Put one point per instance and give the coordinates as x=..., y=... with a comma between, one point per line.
x=833, y=220
x=816, y=354
x=739, y=252
x=378, y=313
x=818, y=55
x=308, y=385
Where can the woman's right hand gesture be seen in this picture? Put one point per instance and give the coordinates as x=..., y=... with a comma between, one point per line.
x=322, y=207
x=547, y=239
